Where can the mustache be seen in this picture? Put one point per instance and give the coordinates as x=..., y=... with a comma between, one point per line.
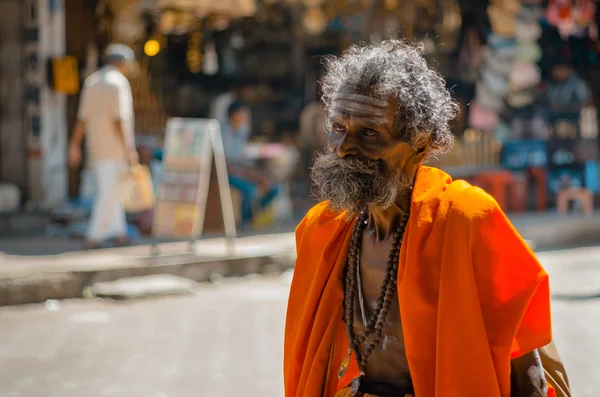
x=352, y=164
x=350, y=184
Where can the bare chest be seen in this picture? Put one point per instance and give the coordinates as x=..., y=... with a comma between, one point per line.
x=387, y=364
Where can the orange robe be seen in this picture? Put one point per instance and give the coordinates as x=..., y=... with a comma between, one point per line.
x=472, y=296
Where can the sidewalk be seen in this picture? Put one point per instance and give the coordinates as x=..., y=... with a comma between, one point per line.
x=35, y=276
x=27, y=279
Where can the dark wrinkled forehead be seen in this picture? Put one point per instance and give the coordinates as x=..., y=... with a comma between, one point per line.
x=360, y=102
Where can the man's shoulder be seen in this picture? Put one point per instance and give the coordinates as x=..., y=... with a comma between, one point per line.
x=116, y=79
x=93, y=79
x=321, y=220
x=469, y=202
x=322, y=213
x=321, y=209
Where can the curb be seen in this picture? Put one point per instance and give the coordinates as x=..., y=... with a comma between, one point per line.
x=34, y=288
x=554, y=232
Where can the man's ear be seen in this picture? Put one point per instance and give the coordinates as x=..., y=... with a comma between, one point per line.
x=422, y=151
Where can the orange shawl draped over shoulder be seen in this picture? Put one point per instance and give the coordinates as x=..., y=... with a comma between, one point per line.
x=472, y=296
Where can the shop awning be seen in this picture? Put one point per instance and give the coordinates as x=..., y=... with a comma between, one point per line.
x=233, y=8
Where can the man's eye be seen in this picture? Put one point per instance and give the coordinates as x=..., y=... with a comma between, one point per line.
x=338, y=128
x=369, y=133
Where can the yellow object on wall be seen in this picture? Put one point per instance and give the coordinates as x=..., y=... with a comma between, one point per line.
x=65, y=74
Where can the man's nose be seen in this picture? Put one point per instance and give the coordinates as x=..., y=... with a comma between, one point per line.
x=345, y=146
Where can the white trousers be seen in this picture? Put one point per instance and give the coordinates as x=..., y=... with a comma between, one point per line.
x=108, y=216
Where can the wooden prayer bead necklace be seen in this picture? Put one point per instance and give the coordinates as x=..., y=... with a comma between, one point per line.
x=374, y=326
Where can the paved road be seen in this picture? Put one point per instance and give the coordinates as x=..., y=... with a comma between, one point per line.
x=575, y=282
x=225, y=340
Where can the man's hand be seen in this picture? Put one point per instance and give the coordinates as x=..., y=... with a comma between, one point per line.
x=133, y=156
x=74, y=156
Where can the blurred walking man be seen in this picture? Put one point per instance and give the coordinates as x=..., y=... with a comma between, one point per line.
x=408, y=283
x=106, y=119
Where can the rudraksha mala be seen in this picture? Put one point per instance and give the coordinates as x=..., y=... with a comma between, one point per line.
x=374, y=327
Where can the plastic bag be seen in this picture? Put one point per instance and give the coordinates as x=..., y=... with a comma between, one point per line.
x=137, y=192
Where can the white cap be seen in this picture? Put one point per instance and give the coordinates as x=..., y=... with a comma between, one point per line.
x=119, y=53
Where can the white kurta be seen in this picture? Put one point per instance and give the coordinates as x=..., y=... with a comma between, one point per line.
x=106, y=98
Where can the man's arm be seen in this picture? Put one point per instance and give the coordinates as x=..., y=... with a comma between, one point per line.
x=514, y=291
x=132, y=154
x=527, y=377
x=79, y=130
x=75, y=146
x=123, y=113
x=555, y=372
x=249, y=174
x=533, y=372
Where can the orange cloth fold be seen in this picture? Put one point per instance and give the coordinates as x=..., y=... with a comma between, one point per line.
x=472, y=296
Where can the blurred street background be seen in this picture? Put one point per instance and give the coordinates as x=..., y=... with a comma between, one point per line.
x=193, y=302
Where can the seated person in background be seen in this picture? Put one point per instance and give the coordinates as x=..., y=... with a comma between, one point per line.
x=256, y=189
x=566, y=96
x=148, y=158
x=312, y=137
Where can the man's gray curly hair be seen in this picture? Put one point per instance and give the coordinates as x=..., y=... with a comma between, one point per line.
x=394, y=68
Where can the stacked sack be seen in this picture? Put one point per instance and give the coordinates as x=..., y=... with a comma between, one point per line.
x=573, y=17
x=525, y=74
x=509, y=72
x=491, y=88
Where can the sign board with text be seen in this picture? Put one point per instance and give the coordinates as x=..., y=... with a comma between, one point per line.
x=192, y=147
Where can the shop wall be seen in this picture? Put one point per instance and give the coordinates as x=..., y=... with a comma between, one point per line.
x=45, y=110
x=12, y=144
x=82, y=42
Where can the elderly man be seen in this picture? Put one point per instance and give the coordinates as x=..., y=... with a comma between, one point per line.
x=406, y=282
x=106, y=116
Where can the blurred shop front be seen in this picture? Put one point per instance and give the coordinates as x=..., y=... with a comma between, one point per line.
x=533, y=105
x=269, y=51
x=497, y=56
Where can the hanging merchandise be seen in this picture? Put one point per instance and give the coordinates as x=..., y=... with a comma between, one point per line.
x=502, y=21
x=505, y=47
x=532, y=13
x=217, y=22
x=529, y=53
x=524, y=76
x=520, y=99
x=194, y=55
x=167, y=21
x=448, y=28
x=390, y=5
x=497, y=64
x=510, y=6
x=314, y=20
x=487, y=99
x=527, y=31
x=481, y=118
x=128, y=26
x=496, y=83
x=313, y=3
x=210, y=66
x=571, y=17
